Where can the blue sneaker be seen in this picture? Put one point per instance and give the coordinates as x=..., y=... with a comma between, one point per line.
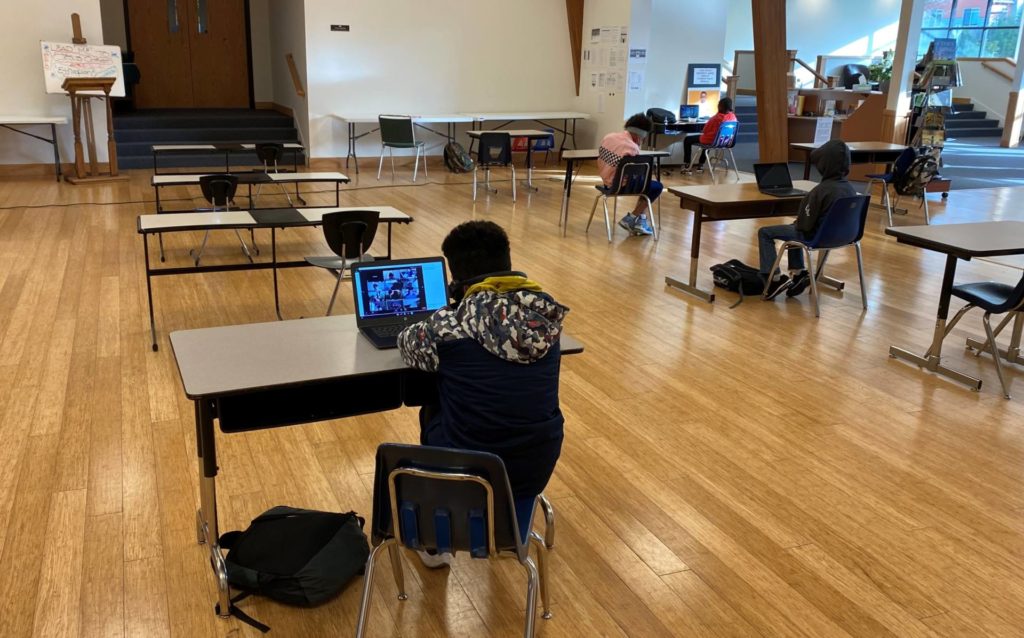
x=628, y=222
x=642, y=227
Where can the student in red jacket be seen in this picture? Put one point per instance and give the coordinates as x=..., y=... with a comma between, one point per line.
x=710, y=132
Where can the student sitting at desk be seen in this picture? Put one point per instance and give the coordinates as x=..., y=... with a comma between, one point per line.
x=496, y=354
x=832, y=159
x=614, y=147
x=710, y=131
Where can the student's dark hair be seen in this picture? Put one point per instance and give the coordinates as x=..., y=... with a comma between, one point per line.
x=477, y=248
x=640, y=121
x=725, y=105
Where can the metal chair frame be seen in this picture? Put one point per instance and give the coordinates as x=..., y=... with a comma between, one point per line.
x=603, y=197
x=487, y=166
x=1011, y=354
x=536, y=573
x=390, y=146
x=197, y=253
x=262, y=156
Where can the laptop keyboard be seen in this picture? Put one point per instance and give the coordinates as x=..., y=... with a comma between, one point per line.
x=388, y=331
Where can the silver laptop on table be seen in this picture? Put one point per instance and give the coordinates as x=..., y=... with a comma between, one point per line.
x=774, y=179
x=390, y=295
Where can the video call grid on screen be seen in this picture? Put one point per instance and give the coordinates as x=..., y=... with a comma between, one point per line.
x=399, y=290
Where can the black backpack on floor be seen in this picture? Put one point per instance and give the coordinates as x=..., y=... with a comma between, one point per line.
x=457, y=159
x=736, y=276
x=922, y=170
x=295, y=556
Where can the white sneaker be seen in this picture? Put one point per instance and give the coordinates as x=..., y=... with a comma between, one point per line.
x=435, y=561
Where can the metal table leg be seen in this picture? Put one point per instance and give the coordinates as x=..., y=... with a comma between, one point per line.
x=932, y=359
x=149, y=292
x=208, y=531
x=273, y=261
x=529, y=165
x=56, y=150
x=563, y=219
x=690, y=286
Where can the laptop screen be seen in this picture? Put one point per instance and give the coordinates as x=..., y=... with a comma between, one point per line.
x=688, y=111
x=399, y=289
x=773, y=175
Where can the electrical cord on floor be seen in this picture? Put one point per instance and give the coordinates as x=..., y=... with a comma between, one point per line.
x=316, y=192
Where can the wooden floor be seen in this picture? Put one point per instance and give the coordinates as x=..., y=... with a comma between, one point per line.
x=726, y=472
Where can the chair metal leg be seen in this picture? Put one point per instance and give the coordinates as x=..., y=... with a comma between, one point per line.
x=949, y=326
x=593, y=209
x=710, y=161
x=808, y=256
x=245, y=247
x=198, y=254
x=927, y=217
x=542, y=568
x=860, y=273
x=364, y=604
x=532, y=579
x=995, y=333
x=425, y=172
x=380, y=165
x=337, y=284
x=391, y=154
x=416, y=164
x=732, y=158
x=252, y=231
x=396, y=569
x=888, y=201
x=995, y=353
x=650, y=215
x=474, y=183
x=513, y=182
x=607, y=224
x=775, y=267
x=549, y=521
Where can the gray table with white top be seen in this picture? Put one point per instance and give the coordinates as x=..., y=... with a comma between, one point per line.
x=268, y=375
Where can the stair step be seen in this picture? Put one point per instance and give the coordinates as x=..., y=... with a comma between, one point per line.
x=974, y=132
x=205, y=136
x=219, y=118
x=193, y=161
x=967, y=115
x=956, y=124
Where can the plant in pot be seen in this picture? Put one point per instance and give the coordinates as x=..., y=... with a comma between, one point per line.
x=881, y=71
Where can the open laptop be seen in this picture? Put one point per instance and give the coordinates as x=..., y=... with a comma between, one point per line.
x=689, y=112
x=390, y=295
x=774, y=179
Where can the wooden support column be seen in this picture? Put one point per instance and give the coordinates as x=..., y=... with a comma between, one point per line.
x=1014, y=122
x=771, y=66
x=574, y=16
x=896, y=117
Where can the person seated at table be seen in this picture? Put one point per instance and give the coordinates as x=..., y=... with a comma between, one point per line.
x=614, y=147
x=832, y=159
x=710, y=131
x=496, y=353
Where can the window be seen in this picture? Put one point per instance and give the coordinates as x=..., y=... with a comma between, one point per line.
x=982, y=28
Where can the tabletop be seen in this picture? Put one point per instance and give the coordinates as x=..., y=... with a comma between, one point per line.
x=591, y=153
x=521, y=132
x=738, y=194
x=32, y=119
x=242, y=218
x=234, y=359
x=531, y=115
x=372, y=118
x=855, y=147
x=179, y=179
x=975, y=239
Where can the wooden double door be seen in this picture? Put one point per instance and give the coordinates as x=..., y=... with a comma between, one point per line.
x=190, y=53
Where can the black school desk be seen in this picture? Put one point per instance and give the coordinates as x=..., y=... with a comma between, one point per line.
x=860, y=153
x=956, y=241
x=238, y=220
x=249, y=179
x=268, y=375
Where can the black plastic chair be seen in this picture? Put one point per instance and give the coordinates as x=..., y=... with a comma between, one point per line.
x=850, y=72
x=349, y=234
x=995, y=298
x=447, y=500
x=494, y=151
x=899, y=168
x=219, y=189
x=632, y=177
x=269, y=153
x=842, y=226
x=399, y=131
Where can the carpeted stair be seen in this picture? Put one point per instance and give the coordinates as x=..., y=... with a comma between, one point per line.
x=137, y=131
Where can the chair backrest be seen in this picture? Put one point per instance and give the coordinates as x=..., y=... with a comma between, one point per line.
x=218, y=188
x=269, y=152
x=850, y=73
x=444, y=499
x=1016, y=299
x=397, y=130
x=726, y=137
x=903, y=162
x=843, y=223
x=494, y=149
x=545, y=143
x=349, y=233
x=632, y=175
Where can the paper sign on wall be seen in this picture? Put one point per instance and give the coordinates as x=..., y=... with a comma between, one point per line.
x=822, y=130
x=636, y=81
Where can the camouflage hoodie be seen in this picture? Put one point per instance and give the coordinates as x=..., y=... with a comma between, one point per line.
x=509, y=316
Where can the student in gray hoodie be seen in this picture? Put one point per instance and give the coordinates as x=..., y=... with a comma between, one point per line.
x=832, y=159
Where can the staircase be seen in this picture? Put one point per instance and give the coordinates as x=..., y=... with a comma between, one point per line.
x=746, y=112
x=968, y=122
x=136, y=132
